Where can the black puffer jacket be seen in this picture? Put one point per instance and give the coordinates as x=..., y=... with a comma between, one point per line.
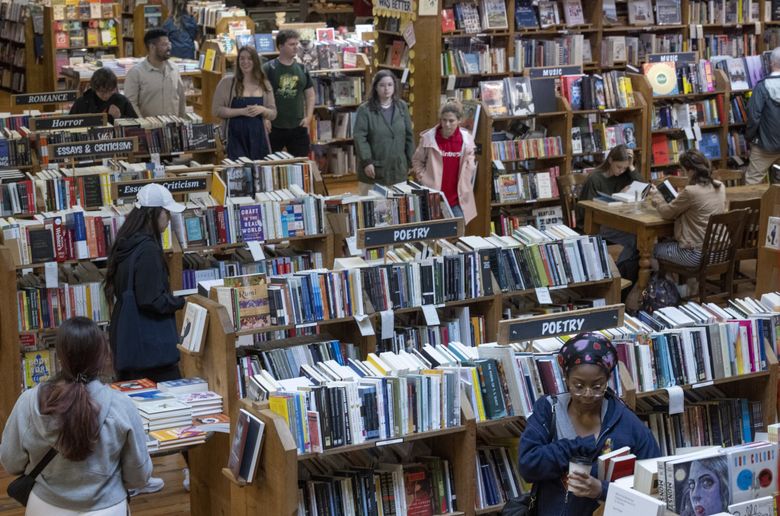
x=763, y=127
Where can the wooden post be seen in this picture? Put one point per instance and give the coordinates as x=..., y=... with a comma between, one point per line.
x=11, y=386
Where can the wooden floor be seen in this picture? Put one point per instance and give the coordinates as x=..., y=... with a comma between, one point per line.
x=173, y=500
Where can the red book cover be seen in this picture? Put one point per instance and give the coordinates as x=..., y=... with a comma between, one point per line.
x=130, y=386
x=547, y=376
x=419, y=491
x=447, y=20
x=60, y=247
x=397, y=51
x=91, y=237
x=70, y=252
x=100, y=237
x=660, y=150
x=31, y=197
x=221, y=229
x=620, y=467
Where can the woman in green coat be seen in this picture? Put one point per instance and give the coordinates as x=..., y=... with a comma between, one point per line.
x=383, y=135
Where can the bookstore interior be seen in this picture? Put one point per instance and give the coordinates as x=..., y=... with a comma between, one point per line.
x=569, y=297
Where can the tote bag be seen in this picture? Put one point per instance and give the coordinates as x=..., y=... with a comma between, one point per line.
x=143, y=341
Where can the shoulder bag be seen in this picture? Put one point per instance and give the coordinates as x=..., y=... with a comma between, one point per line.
x=143, y=341
x=22, y=486
x=526, y=505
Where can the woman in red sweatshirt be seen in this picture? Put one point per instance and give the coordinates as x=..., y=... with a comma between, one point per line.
x=444, y=160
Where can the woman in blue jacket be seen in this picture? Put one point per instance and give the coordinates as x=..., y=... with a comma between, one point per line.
x=182, y=31
x=589, y=420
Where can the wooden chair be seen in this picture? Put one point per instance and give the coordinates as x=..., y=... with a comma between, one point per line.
x=748, y=249
x=729, y=177
x=721, y=239
x=569, y=189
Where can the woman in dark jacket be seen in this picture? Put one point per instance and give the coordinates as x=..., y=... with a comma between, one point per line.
x=182, y=29
x=137, y=252
x=589, y=421
x=383, y=135
x=103, y=97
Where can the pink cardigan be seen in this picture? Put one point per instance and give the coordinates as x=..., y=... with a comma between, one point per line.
x=428, y=167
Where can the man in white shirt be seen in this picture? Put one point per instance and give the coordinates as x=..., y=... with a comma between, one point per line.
x=154, y=86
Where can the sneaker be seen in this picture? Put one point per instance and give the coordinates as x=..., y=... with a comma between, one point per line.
x=152, y=486
x=186, y=482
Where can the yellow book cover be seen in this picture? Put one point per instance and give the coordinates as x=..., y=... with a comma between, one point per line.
x=377, y=362
x=93, y=40
x=629, y=92
x=480, y=408
x=37, y=367
x=278, y=405
x=218, y=189
x=211, y=56
x=166, y=238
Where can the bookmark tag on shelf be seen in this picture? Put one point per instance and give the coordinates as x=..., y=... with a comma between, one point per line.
x=388, y=322
x=676, y=399
x=543, y=296
x=364, y=324
x=257, y=250
x=52, y=280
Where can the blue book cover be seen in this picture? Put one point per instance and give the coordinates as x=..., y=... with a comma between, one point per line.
x=710, y=145
x=525, y=16
x=245, y=40
x=264, y=43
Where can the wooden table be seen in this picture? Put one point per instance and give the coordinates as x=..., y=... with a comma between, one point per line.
x=647, y=224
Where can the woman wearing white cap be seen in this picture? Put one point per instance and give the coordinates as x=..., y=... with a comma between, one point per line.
x=143, y=333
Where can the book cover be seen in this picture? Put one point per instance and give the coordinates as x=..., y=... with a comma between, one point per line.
x=193, y=329
x=252, y=446
x=37, y=367
x=520, y=96
x=494, y=14
x=694, y=482
x=773, y=233
x=640, y=12
x=572, y=12
x=493, y=97
x=134, y=386
x=447, y=21
x=419, y=491
x=264, y=43
x=41, y=245
x=548, y=14
x=525, y=15
x=751, y=471
x=710, y=144
x=668, y=12
x=238, y=443
x=250, y=223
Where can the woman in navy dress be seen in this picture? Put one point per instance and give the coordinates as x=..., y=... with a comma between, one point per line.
x=244, y=102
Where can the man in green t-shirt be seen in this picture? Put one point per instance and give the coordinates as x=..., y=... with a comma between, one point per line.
x=294, y=94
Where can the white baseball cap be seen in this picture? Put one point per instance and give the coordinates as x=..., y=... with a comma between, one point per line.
x=156, y=195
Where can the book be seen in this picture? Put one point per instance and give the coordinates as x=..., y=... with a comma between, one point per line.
x=773, y=233
x=668, y=12
x=668, y=191
x=238, y=443
x=548, y=14
x=758, y=506
x=447, y=21
x=194, y=326
x=521, y=101
x=636, y=191
x=494, y=14
x=183, y=385
x=640, y=12
x=625, y=501
x=493, y=98
x=134, y=386
x=572, y=12
x=662, y=77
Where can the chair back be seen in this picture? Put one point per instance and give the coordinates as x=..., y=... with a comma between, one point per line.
x=722, y=237
x=749, y=247
x=569, y=188
x=729, y=177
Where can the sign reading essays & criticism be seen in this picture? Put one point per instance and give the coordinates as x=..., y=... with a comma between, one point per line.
x=93, y=148
x=175, y=186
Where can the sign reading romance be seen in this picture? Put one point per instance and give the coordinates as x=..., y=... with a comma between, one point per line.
x=413, y=232
x=44, y=123
x=174, y=185
x=93, y=148
x=563, y=323
x=51, y=97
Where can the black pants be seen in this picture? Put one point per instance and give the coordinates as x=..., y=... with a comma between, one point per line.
x=156, y=374
x=296, y=140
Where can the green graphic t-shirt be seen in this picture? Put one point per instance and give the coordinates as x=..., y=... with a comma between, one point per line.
x=289, y=83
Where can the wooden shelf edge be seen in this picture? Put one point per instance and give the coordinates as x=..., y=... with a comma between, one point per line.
x=229, y=475
x=189, y=352
x=708, y=383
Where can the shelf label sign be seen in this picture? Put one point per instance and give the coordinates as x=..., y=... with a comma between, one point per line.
x=414, y=232
x=393, y=6
x=677, y=57
x=51, y=97
x=553, y=71
x=93, y=148
x=67, y=122
x=174, y=185
x=564, y=323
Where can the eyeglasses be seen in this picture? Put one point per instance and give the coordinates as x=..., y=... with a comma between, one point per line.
x=584, y=390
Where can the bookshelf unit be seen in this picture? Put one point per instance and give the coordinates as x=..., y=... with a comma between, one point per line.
x=16, y=49
x=56, y=55
x=768, y=262
x=136, y=20
x=721, y=96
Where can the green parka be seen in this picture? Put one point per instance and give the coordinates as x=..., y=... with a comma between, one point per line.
x=389, y=147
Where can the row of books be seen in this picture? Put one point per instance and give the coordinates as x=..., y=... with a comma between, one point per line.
x=668, y=78
x=572, y=49
x=423, y=487
x=245, y=177
x=735, y=45
x=473, y=18
x=197, y=268
x=476, y=59
x=274, y=215
x=17, y=198
x=15, y=149
x=338, y=160
x=535, y=15
x=525, y=149
x=680, y=115
x=62, y=189
x=338, y=92
x=518, y=186
x=610, y=90
x=591, y=134
x=62, y=10
x=338, y=126
x=470, y=330
x=707, y=421
x=393, y=208
x=507, y=222
x=334, y=54
x=498, y=479
x=167, y=134
x=737, y=144
x=41, y=308
x=99, y=33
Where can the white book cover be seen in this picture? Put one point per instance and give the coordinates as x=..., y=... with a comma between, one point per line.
x=624, y=501
x=773, y=233
x=193, y=327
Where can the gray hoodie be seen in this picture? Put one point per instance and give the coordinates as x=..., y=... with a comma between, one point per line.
x=120, y=460
x=763, y=125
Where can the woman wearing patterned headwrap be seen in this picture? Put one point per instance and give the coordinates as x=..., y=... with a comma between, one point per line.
x=589, y=420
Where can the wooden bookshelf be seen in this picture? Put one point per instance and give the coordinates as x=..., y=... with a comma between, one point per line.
x=768, y=262
x=136, y=16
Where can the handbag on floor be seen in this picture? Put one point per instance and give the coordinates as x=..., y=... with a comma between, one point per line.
x=22, y=486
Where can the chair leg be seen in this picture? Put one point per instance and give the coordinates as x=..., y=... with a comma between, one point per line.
x=702, y=286
x=729, y=279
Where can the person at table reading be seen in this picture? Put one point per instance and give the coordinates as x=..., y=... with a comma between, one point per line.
x=690, y=210
x=615, y=175
x=581, y=424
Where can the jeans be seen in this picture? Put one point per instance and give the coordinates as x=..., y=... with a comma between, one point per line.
x=628, y=260
x=457, y=211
